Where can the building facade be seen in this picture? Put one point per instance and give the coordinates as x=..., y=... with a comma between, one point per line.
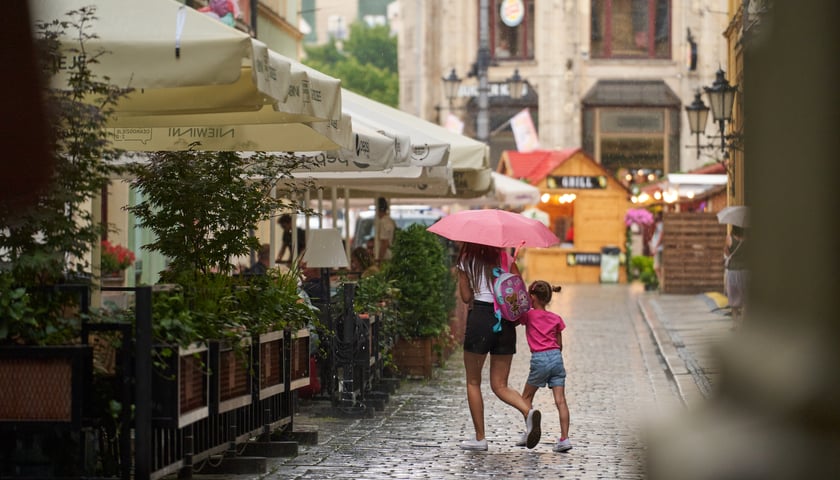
x=609, y=76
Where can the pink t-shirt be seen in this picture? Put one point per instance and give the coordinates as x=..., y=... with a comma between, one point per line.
x=541, y=329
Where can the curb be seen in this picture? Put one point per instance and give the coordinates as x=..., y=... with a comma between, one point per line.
x=676, y=369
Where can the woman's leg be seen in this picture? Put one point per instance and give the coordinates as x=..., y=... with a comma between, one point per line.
x=562, y=409
x=528, y=393
x=499, y=372
x=473, y=363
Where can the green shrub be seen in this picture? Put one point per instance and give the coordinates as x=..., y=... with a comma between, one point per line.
x=420, y=270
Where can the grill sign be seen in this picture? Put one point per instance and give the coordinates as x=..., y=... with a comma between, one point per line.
x=577, y=181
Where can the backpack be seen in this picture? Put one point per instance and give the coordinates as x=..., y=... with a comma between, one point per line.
x=510, y=294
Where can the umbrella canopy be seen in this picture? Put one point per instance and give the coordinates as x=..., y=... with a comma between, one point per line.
x=196, y=79
x=737, y=215
x=497, y=228
x=537, y=214
x=510, y=191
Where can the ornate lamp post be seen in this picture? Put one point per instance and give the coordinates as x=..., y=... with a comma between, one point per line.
x=697, y=113
x=721, y=98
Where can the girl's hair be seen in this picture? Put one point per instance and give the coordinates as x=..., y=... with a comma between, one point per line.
x=542, y=290
x=478, y=261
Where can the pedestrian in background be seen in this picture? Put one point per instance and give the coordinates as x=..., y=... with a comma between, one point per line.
x=736, y=275
x=285, y=222
x=543, y=329
x=385, y=229
x=260, y=267
x=475, y=279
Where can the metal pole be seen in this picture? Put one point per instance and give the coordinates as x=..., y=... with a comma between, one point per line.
x=482, y=126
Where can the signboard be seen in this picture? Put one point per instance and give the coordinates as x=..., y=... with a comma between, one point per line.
x=577, y=182
x=512, y=12
x=583, y=259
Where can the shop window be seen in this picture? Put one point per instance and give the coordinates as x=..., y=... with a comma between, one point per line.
x=632, y=143
x=630, y=29
x=511, y=29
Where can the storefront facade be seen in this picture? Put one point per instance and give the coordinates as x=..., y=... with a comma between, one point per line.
x=586, y=208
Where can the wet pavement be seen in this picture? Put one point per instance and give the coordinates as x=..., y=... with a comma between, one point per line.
x=618, y=385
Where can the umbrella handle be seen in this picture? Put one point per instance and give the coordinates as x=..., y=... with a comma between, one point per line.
x=516, y=251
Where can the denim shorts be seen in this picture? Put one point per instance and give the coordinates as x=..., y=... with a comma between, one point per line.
x=547, y=369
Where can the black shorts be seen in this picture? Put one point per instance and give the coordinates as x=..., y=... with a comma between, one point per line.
x=480, y=338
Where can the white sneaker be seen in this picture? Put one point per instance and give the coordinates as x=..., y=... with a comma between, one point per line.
x=562, y=446
x=523, y=440
x=533, y=432
x=480, y=445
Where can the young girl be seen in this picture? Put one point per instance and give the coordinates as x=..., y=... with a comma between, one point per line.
x=543, y=331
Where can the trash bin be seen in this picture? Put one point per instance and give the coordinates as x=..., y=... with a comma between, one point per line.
x=610, y=261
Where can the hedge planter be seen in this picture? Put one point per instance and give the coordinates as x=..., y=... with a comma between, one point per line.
x=181, y=390
x=43, y=385
x=270, y=364
x=231, y=376
x=300, y=359
x=414, y=357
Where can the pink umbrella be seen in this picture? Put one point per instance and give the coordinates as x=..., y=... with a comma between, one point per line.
x=496, y=228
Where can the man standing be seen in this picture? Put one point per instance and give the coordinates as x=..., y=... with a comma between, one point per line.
x=285, y=222
x=385, y=227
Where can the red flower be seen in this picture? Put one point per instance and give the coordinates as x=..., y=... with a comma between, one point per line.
x=115, y=258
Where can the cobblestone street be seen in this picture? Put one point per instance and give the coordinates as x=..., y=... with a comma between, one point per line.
x=616, y=383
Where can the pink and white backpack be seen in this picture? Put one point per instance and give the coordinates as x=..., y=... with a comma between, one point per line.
x=510, y=294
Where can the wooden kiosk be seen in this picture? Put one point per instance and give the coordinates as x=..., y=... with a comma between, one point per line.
x=586, y=208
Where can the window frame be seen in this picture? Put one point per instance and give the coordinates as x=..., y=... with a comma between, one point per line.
x=606, y=51
x=528, y=31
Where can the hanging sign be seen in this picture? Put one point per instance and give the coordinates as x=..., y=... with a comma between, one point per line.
x=583, y=259
x=577, y=181
x=512, y=12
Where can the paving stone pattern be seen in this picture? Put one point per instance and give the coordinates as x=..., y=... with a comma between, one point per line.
x=617, y=385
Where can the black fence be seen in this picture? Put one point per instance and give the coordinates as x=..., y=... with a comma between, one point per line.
x=117, y=408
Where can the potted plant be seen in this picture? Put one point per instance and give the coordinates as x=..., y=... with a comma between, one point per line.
x=377, y=297
x=202, y=206
x=114, y=260
x=641, y=268
x=419, y=269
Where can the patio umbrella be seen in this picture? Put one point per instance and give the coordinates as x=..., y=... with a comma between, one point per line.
x=737, y=215
x=193, y=76
x=497, y=228
x=537, y=214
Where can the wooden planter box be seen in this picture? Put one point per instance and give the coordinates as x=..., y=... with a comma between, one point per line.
x=271, y=380
x=231, y=385
x=299, y=359
x=414, y=357
x=43, y=385
x=181, y=391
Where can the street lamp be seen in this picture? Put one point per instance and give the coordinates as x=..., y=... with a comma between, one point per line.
x=697, y=113
x=450, y=86
x=721, y=98
x=515, y=84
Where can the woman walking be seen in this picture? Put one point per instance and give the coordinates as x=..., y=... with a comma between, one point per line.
x=475, y=287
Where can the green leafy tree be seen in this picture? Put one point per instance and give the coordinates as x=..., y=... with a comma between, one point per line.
x=49, y=242
x=202, y=206
x=373, y=46
x=367, y=65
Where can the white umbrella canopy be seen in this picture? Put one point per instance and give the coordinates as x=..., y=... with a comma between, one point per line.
x=181, y=61
x=369, y=151
x=429, y=143
x=264, y=131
